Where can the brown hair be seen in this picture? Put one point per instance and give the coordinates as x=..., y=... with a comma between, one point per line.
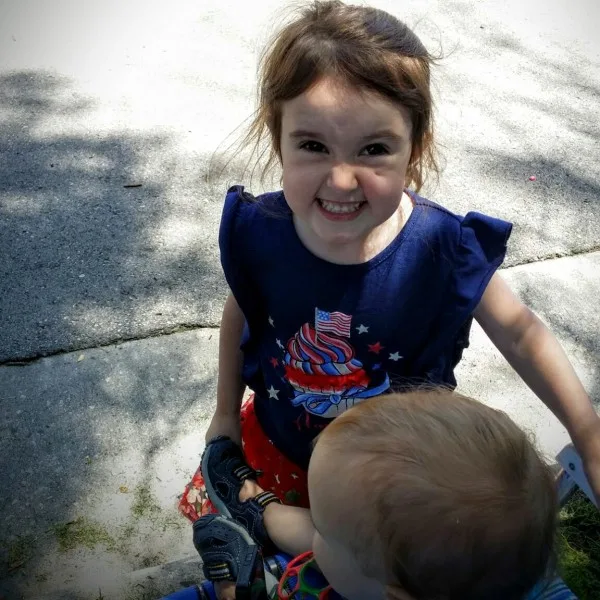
x=361, y=46
x=459, y=501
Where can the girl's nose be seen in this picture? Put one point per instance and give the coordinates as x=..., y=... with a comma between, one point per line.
x=343, y=178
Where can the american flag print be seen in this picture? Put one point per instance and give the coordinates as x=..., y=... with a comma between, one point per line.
x=332, y=322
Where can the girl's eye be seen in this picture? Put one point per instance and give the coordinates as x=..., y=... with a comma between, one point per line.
x=312, y=146
x=375, y=150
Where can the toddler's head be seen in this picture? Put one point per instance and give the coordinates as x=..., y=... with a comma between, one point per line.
x=430, y=496
x=344, y=99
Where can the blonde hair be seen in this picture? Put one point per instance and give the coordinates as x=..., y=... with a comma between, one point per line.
x=361, y=46
x=459, y=501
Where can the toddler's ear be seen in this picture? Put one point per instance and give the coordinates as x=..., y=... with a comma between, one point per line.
x=395, y=592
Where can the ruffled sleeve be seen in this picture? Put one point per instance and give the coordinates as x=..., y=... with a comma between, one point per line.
x=481, y=250
x=235, y=244
x=227, y=232
x=475, y=255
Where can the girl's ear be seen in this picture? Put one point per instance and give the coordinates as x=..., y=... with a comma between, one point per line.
x=394, y=592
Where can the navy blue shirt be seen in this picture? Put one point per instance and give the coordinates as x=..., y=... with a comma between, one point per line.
x=321, y=337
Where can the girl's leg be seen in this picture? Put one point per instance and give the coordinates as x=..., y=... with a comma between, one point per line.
x=276, y=473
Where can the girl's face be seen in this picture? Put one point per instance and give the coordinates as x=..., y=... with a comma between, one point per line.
x=344, y=154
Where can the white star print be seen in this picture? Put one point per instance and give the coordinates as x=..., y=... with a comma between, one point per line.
x=294, y=476
x=279, y=344
x=362, y=329
x=271, y=322
x=395, y=356
x=273, y=393
x=277, y=479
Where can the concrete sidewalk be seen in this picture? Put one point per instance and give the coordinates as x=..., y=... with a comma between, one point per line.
x=98, y=438
x=106, y=439
x=96, y=95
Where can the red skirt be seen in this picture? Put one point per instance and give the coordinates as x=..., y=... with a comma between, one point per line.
x=275, y=472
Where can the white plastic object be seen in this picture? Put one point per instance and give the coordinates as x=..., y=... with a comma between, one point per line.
x=572, y=475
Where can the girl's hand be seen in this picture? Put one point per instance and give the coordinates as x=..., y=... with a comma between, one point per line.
x=592, y=470
x=589, y=447
x=225, y=424
x=537, y=357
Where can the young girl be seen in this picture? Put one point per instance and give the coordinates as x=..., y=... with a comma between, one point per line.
x=348, y=284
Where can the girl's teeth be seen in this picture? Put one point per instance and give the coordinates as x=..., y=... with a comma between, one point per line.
x=341, y=208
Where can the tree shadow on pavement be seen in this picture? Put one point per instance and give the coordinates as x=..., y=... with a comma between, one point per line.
x=529, y=113
x=557, y=215
x=87, y=261
x=97, y=437
x=565, y=307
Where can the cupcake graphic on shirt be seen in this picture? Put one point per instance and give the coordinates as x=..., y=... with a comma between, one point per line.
x=321, y=366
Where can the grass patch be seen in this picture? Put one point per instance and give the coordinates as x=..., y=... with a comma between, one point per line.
x=145, y=503
x=579, y=547
x=123, y=541
x=150, y=591
x=172, y=522
x=151, y=561
x=81, y=532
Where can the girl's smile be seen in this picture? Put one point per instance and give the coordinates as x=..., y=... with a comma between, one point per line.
x=340, y=211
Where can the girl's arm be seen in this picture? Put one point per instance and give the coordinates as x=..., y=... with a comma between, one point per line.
x=538, y=358
x=230, y=387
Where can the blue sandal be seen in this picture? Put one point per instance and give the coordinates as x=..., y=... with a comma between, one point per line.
x=225, y=470
x=228, y=552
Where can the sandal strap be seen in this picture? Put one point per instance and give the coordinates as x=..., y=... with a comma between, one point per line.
x=218, y=572
x=244, y=472
x=265, y=498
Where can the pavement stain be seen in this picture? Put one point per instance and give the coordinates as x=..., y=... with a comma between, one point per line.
x=19, y=552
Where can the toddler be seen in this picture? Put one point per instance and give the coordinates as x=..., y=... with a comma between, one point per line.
x=425, y=495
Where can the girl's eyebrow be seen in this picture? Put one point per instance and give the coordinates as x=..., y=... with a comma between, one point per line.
x=380, y=134
x=303, y=133
x=383, y=133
